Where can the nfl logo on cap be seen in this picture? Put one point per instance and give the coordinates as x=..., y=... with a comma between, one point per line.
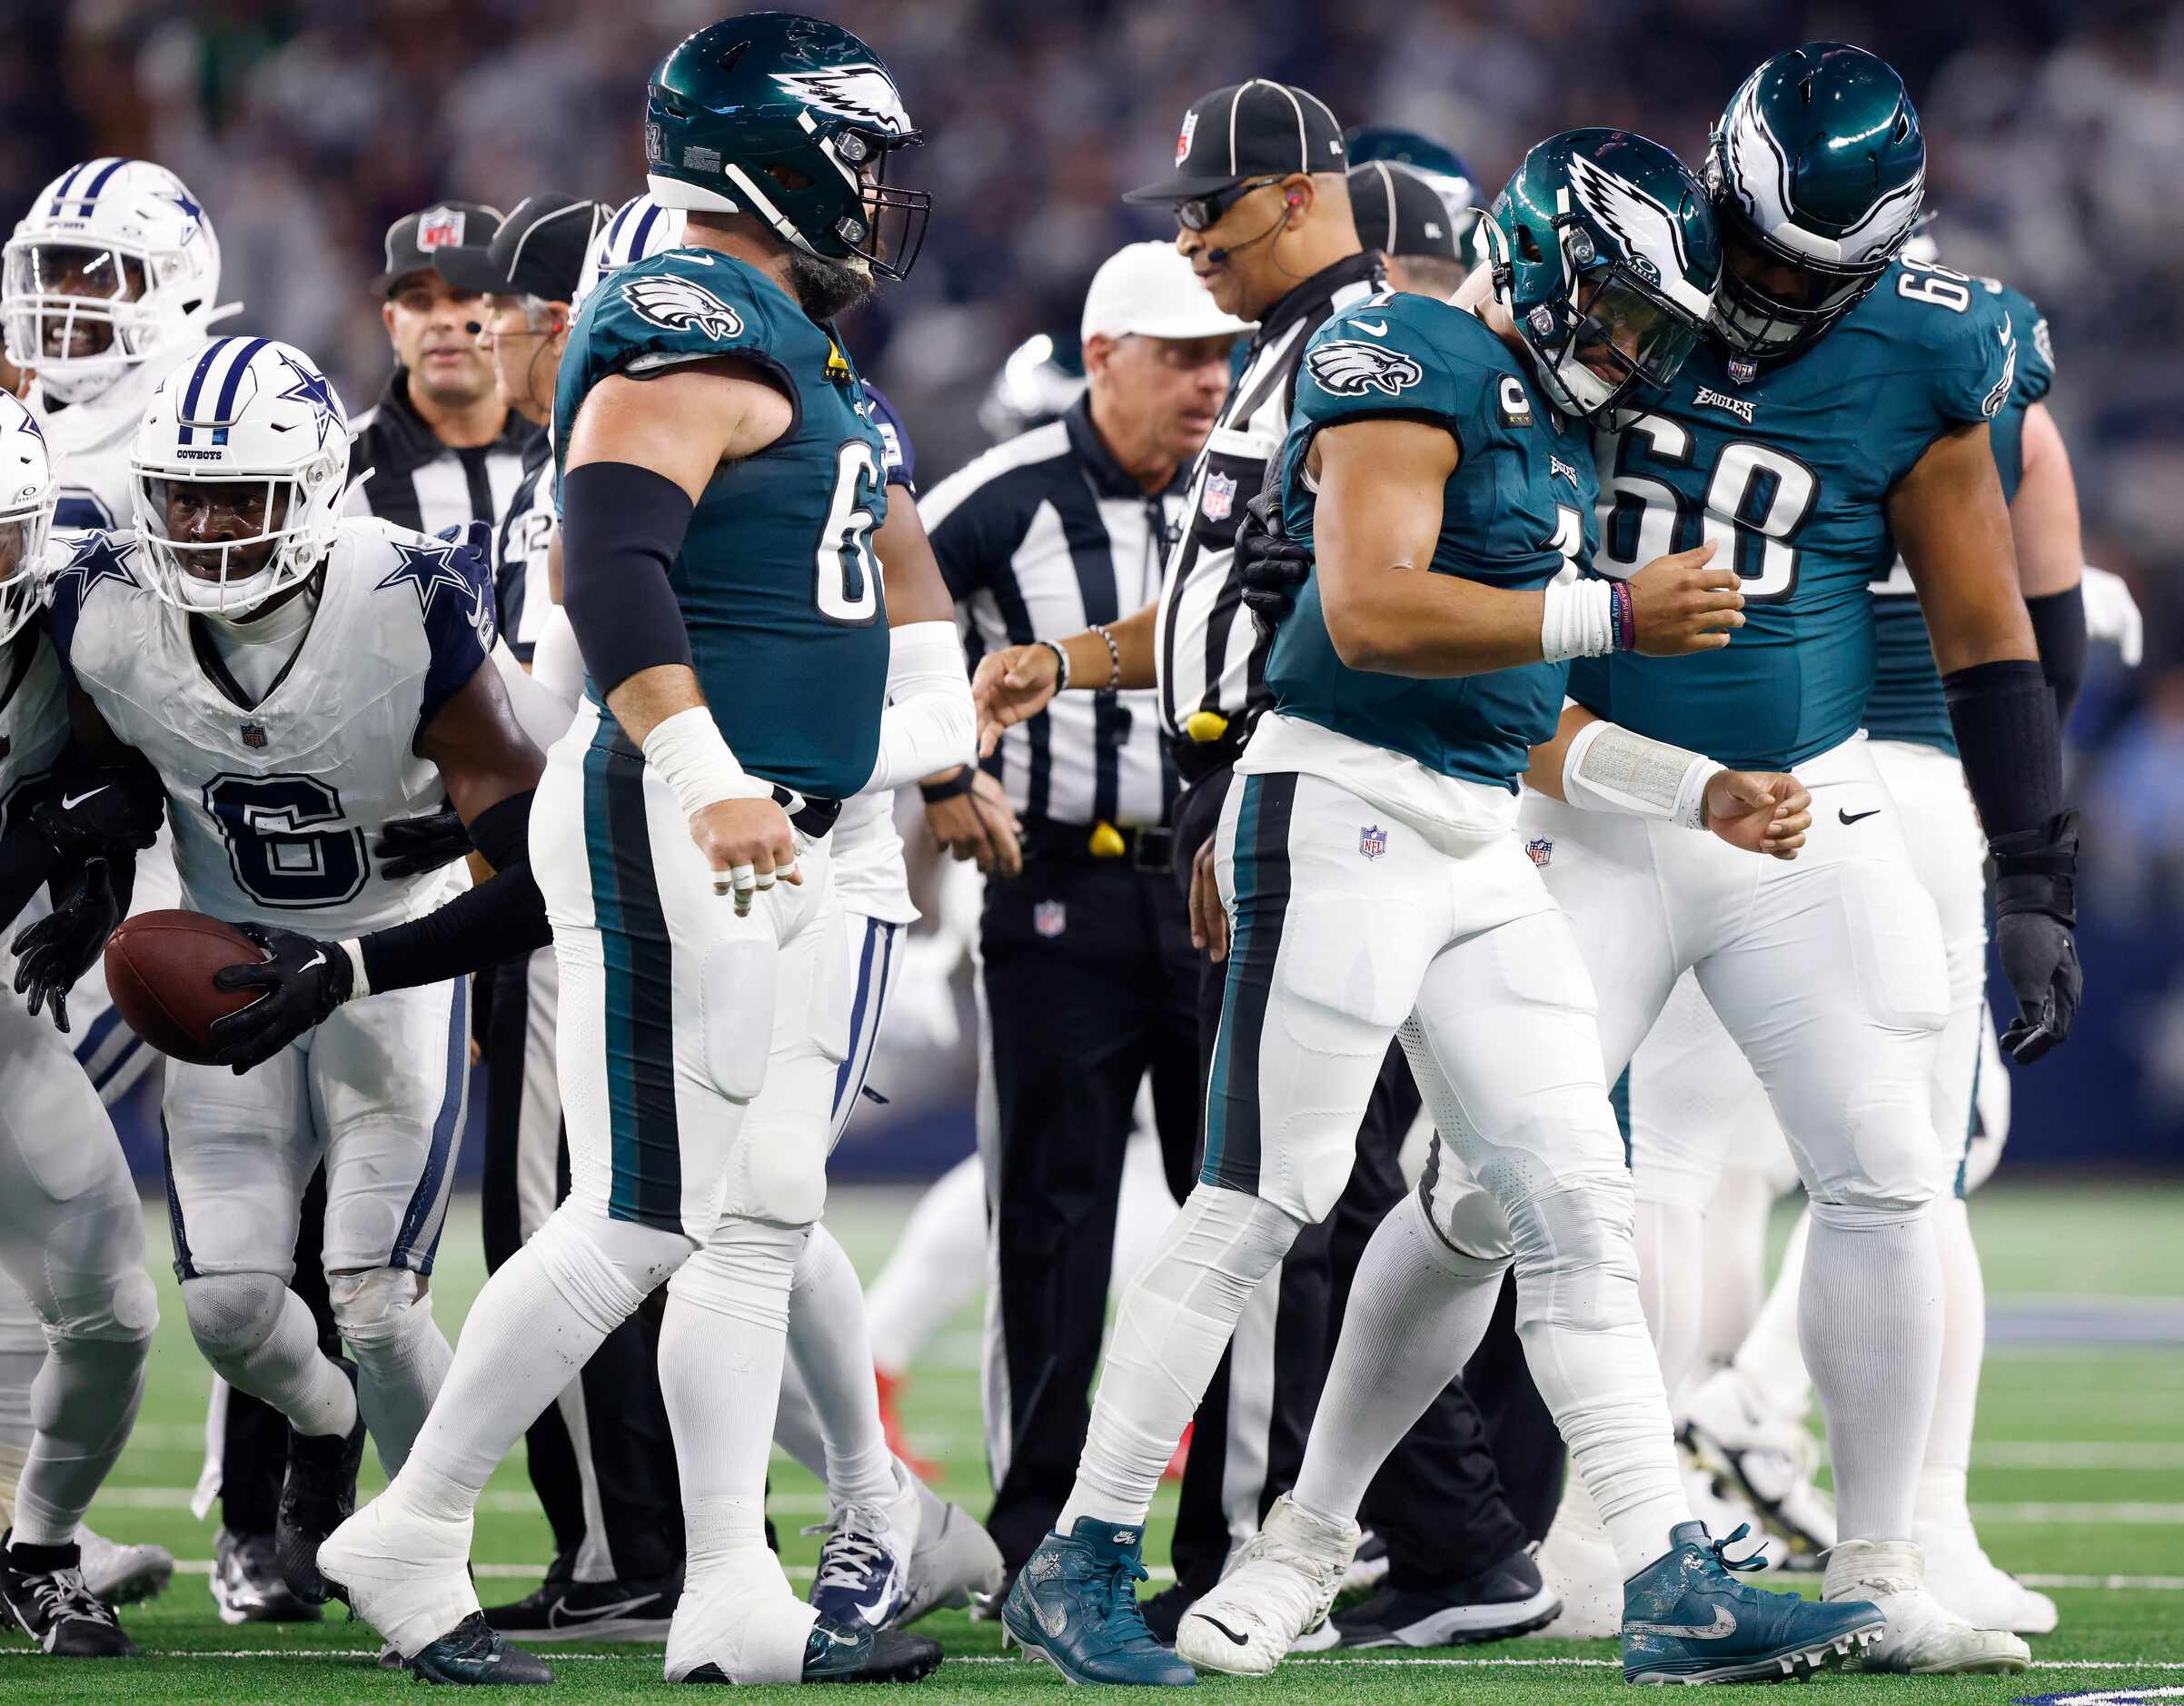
x=1220, y=496
x=1049, y=917
x=1183, y=142
x=439, y=228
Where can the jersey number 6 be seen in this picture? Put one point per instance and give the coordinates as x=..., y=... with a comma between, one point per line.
x=276, y=859
x=847, y=587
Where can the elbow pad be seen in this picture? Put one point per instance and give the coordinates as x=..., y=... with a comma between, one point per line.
x=622, y=527
x=929, y=724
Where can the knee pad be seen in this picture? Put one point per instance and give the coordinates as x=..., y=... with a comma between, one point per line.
x=378, y=1310
x=93, y=1261
x=1220, y=1246
x=744, y=1273
x=124, y=1310
x=1464, y=1223
x=233, y=1315
x=1887, y=1172
x=1577, y=1257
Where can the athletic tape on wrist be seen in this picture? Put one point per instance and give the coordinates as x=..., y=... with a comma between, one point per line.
x=1610, y=769
x=1578, y=620
x=692, y=758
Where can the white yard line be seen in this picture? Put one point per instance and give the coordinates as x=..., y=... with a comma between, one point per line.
x=558, y=1655
x=2136, y=1513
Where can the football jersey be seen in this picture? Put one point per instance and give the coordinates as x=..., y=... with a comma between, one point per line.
x=1790, y=469
x=90, y=441
x=1907, y=703
x=34, y=723
x=1516, y=510
x=778, y=588
x=275, y=805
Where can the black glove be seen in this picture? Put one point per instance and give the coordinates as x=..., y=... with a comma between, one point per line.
x=304, y=979
x=58, y=949
x=410, y=846
x=1269, y=567
x=2036, y=905
x=90, y=811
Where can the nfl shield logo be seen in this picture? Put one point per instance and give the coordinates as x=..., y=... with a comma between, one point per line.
x=1049, y=917
x=1744, y=371
x=439, y=228
x=1220, y=496
x=1540, y=851
x=1372, y=841
x=254, y=734
x=1183, y=143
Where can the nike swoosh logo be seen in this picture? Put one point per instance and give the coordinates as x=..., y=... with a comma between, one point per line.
x=70, y=802
x=1720, y=1629
x=1053, y=1625
x=1379, y=330
x=1855, y=816
x=1215, y=1622
x=564, y=1615
x=320, y=959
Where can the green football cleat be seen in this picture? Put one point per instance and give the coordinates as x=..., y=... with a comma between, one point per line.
x=1687, y=1619
x=1074, y=1605
x=475, y=1654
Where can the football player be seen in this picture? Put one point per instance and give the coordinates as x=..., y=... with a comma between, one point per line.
x=1840, y=411
x=707, y=420
x=72, y=1241
x=1375, y=889
x=297, y=680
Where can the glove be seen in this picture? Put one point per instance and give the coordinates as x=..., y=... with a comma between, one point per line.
x=2036, y=904
x=410, y=846
x=90, y=811
x=1269, y=567
x=58, y=949
x=2112, y=614
x=304, y=979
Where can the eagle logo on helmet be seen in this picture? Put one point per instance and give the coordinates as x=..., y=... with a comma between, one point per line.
x=863, y=92
x=1350, y=369
x=674, y=303
x=1647, y=228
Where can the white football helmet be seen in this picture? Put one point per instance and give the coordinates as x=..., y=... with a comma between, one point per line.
x=28, y=493
x=113, y=260
x=236, y=475
x=639, y=229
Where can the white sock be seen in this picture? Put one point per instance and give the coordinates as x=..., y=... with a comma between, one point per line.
x=531, y=1330
x=1175, y=1322
x=1733, y=1267
x=18, y=1369
x=1941, y=1496
x=930, y=1275
x=402, y=1359
x=1770, y=1363
x=285, y=1368
x=1871, y=1324
x=829, y=1342
x=85, y=1403
x=1417, y=1311
x=1671, y=1279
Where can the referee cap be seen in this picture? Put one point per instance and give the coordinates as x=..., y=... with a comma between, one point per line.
x=1249, y=130
x=1147, y=290
x=1398, y=213
x=539, y=250
x=412, y=241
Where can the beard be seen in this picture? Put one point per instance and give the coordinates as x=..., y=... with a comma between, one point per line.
x=827, y=287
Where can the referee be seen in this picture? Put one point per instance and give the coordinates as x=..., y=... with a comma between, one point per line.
x=1089, y=980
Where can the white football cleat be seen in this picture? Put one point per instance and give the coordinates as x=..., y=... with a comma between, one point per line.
x=1765, y=1459
x=1923, y=1638
x=1960, y=1575
x=1579, y=1567
x=121, y=1574
x=405, y=1575
x=1281, y=1586
x=955, y=1563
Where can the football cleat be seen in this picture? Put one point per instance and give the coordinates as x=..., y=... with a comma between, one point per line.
x=1687, y=1619
x=121, y=1574
x=474, y=1654
x=589, y=1610
x=1504, y=1600
x=1975, y=1588
x=316, y=1498
x=1281, y=1586
x=863, y=1575
x=843, y=1652
x=1579, y=1568
x=1369, y=1569
x=404, y=1574
x=44, y=1591
x=1765, y=1461
x=1075, y=1606
x=1923, y=1638
x=247, y=1583
x=956, y=1563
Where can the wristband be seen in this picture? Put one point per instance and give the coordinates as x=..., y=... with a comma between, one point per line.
x=692, y=758
x=1610, y=769
x=955, y=787
x=1061, y=664
x=1624, y=612
x=1577, y=620
x=359, y=983
x=1114, y=657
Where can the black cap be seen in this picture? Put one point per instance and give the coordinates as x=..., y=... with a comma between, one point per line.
x=539, y=250
x=1399, y=213
x=1251, y=130
x=412, y=242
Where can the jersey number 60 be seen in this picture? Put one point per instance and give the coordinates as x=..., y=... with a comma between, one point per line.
x=847, y=587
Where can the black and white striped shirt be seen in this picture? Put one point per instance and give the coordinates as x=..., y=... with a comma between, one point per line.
x=1207, y=651
x=1046, y=534
x=417, y=481
x=522, y=584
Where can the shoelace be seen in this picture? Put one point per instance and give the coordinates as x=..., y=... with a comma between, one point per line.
x=854, y=1552
x=1720, y=1548
x=1123, y=1578
x=62, y=1593
x=1316, y=1570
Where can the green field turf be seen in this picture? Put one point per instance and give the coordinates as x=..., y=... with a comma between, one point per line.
x=2077, y=1478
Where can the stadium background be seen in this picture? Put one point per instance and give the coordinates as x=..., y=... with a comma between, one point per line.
x=2055, y=131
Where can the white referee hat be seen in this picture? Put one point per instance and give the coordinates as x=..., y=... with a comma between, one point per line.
x=1148, y=289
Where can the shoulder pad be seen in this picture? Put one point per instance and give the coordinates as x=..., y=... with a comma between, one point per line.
x=452, y=579
x=83, y=562
x=685, y=305
x=1399, y=352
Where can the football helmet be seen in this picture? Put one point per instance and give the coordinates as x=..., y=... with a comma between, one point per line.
x=28, y=493
x=638, y=230
x=1603, y=242
x=793, y=119
x=248, y=431
x=1818, y=164
x=113, y=262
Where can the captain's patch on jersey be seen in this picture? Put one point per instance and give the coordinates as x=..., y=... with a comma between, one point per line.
x=1350, y=369
x=675, y=303
x=1513, y=401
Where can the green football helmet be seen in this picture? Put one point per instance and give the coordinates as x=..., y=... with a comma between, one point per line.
x=1604, y=251
x=1818, y=164
x=793, y=119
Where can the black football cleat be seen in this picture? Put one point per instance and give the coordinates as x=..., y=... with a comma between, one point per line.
x=44, y=1591
x=589, y=1610
x=474, y=1654
x=317, y=1497
x=842, y=1653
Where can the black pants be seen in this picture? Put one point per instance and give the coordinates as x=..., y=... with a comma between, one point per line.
x=613, y=1430
x=1090, y=981
x=254, y=1444
x=1439, y=1499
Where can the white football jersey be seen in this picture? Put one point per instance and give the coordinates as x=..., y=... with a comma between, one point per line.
x=275, y=805
x=33, y=727
x=90, y=443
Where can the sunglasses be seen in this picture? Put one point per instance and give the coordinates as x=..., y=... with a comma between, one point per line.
x=1203, y=213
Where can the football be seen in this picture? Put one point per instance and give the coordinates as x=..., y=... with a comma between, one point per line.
x=159, y=970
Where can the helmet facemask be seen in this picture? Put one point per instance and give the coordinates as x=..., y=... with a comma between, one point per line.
x=28, y=493
x=1760, y=325
x=280, y=526
x=82, y=314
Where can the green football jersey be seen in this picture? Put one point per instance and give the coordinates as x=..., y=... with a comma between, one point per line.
x=1790, y=468
x=1907, y=703
x=777, y=581
x=1517, y=510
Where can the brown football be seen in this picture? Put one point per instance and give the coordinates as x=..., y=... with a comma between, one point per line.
x=159, y=970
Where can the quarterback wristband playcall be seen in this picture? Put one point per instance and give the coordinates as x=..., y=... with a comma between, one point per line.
x=1610, y=769
x=622, y=527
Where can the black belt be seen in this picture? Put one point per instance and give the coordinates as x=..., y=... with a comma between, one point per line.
x=1135, y=850
x=1197, y=759
x=815, y=817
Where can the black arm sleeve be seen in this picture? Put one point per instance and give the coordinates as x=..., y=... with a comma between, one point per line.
x=622, y=527
x=2058, y=625
x=26, y=859
x=501, y=917
x=2004, y=719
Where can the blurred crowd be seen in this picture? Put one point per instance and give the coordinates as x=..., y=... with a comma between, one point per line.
x=2056, y=131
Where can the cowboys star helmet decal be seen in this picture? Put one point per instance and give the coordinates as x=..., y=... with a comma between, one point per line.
x=1650, y=231
x=669, y=301
x=1351, y=369
x=865, y=93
